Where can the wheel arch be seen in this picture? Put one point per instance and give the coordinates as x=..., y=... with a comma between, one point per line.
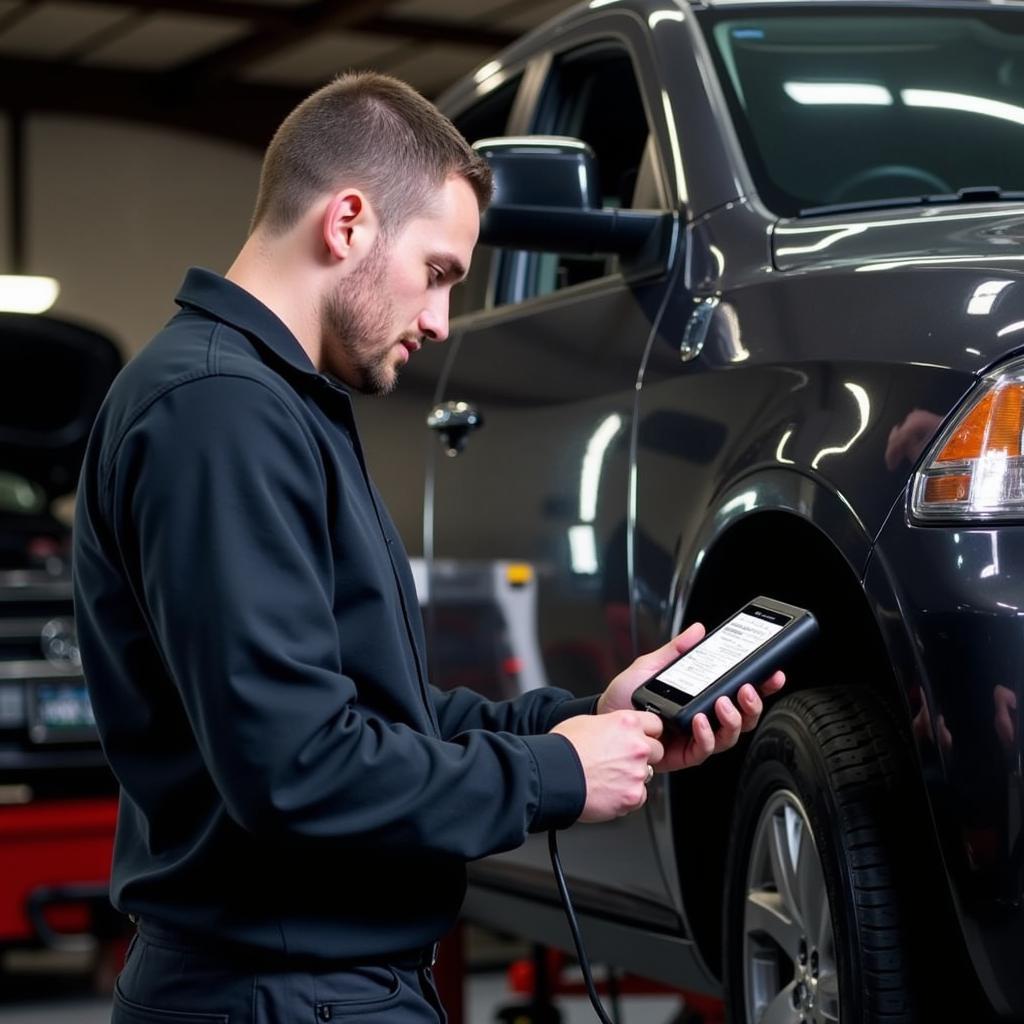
x=785, y=535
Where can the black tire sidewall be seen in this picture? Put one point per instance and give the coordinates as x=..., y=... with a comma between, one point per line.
x=786, y=756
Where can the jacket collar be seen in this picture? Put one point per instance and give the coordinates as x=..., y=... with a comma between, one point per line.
x=224, y=300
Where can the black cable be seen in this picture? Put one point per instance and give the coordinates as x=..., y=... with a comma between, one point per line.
x=613, y=995
x=574, y=927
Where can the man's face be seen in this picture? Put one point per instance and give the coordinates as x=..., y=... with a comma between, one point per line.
x=377, y=317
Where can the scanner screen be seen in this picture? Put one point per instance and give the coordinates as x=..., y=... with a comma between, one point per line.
x=723, y=650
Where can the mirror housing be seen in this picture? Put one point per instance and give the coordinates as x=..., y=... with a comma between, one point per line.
x=547, y=198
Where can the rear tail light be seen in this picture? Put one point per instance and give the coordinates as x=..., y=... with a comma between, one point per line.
x=976, y=470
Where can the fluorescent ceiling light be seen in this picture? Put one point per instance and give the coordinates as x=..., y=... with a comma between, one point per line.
x=852, y=93
x=961, y=101
x=22, y=294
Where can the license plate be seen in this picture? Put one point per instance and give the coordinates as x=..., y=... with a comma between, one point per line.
x=60, y=712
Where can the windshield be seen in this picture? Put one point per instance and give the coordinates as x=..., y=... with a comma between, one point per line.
x=842, y=107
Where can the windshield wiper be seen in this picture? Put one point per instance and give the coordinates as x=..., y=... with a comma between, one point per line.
x=973, y=194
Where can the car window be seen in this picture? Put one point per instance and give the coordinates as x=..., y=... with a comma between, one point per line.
x=591, y=94
x=487, y=118
x=843, y=107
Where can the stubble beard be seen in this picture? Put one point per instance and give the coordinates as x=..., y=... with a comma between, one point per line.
x=356, y=327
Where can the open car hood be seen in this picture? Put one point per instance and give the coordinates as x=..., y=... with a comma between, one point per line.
x=53, y=378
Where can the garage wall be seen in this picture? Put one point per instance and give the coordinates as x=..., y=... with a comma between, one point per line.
x=117, y=211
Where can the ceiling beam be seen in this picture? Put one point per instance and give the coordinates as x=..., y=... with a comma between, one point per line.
x=265, y=18
x=245, y=113
x=450, y=32
x=307, y=21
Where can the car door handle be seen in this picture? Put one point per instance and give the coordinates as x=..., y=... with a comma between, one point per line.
x=696, y=330
x=453, y=422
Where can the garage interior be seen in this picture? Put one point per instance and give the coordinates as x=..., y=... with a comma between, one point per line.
x=746, y=321
x=130, y=144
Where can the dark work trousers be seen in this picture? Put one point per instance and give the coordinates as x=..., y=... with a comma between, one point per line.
x=169, y=981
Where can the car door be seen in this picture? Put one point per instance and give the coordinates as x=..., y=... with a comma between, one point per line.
x=529, y=523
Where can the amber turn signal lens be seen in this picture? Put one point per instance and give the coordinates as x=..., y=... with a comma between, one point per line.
x=947, y=488
x=977, y=470
x=1001, y=412
x=969, y=436
x=1007, y=420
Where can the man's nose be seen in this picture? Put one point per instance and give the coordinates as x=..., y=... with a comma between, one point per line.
x=433, y=321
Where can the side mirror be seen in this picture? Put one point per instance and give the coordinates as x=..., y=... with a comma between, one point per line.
x=547, y=198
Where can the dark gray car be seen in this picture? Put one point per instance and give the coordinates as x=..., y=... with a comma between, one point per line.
x=58, y=800
x=768, y=343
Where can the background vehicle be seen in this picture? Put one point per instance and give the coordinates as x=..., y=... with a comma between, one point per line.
x=58, y=800
x=747, y=394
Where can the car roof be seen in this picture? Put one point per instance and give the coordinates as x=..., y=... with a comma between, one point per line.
x=542, y=37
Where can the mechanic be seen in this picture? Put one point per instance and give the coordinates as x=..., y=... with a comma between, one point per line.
x=298, y=804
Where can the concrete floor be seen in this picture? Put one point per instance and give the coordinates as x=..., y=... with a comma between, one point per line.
x=47, y=988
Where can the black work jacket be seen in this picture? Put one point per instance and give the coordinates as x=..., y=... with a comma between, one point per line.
x=254, y=651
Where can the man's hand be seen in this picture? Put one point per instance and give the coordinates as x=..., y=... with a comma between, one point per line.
x=615, y=750
x=703, y=741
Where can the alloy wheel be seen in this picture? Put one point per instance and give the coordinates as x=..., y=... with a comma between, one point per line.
x=789, y=955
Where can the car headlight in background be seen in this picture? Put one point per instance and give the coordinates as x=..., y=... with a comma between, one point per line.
x=976, y=469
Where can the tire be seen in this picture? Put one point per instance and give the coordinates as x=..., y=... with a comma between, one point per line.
x=814, y=930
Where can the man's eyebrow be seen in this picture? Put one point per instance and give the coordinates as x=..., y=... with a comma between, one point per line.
x=451, y=266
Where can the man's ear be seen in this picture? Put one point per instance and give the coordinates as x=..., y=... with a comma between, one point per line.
x=349, y=226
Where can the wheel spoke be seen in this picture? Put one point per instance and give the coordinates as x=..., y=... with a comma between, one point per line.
x=812, y=895
x=828, y=996
x=781, y=1010
x=784, y=841
x=765, y=914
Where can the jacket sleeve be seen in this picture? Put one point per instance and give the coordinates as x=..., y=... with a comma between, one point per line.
x=218, y=500
x=536, y=711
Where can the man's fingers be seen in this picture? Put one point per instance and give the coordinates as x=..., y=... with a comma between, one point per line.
x=655, y=661
x=690, y=637
x=734, y=718
x=729, y=718
x=656, y=752
x=730, y=724
x=751, y=705
x=702, y=738
x=749, y=699
x=642, y=800
x=651, y=724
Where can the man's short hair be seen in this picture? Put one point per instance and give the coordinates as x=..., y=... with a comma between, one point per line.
x=370, y=131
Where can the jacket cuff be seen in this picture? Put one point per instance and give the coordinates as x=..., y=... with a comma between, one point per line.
x=572, y=708
x=561, y=784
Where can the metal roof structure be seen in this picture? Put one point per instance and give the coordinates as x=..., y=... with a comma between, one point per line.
x=235, y=67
